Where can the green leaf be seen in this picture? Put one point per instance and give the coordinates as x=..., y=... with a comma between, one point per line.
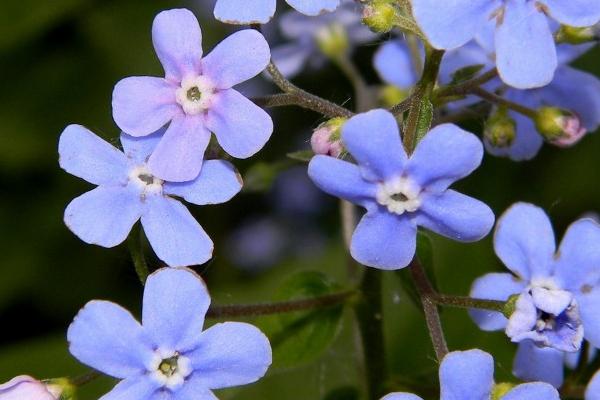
x=425, y=118
x=466, y=73
x=302, y=337
x=302, y=155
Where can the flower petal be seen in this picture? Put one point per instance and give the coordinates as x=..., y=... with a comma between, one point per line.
x=374, y=141
x=456, y=216
x=291, y=57
x=532, y=391
x=524, y=241
x=139, y=149
x=104, y=215
x=446, y=154
x=314, y=7
x=439, y=20
x=253, y=11
x=242, y=128
x=384, y=240
x=179, y=154
x=579, y=255
x=133, y=389
x=341, y=179
x=177, y=40
x=217, y=183
x=525, y=49
x=94, y=341
x=466, y=375
x=526, y=144
x=85, y=155
x=533, y=363
x=593, y=389
x=239, y=57
x=175, y=303
x=194, y=388
x=142, y=104
x=175, y=236
x=394, y=64
x=231, y=354
x=589, y=304
x=580, y=13
x=494, y=286
x=401, y=396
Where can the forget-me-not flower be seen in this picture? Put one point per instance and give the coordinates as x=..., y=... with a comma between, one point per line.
x=195, y=97
x=129, y=191
x=559, y=290
x=469, y=375
x=402, y=192
x=525, y=48
x=168, y=356
x=261, y=11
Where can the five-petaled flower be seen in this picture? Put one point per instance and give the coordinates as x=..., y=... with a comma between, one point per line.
x=168, y=356
x=401, y=192
x=559, y=290
x=128, y=191
x=469, y=375
x=525, y=49
x=195, y=97
x=261, y=11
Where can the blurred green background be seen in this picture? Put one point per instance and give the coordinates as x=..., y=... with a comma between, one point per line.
x=59, y=61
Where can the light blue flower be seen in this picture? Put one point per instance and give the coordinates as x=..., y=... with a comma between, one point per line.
x=129, y=191
x=261, y=11
x=168, y=356
x=394, y=63
x=469, y=375
x=563, y=283
x=526, y=53
x=195, y=97
x=401, y=192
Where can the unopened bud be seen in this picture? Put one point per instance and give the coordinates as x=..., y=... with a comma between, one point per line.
x=574, y=35
x=333, y=40
x=500, y=129
x=379, y=15
x=26, y=387
x=560, y=127
x=326, y=139
x=391, y=95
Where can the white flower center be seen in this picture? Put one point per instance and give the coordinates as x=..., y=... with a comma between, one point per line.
x=195, y=94
x=170, y=368
x=399, y=195
x=143, y=178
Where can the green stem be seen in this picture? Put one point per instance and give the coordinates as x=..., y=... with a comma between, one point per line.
x=495, y=99
x=465, y=88
x=134, y=242
x=467, y=302
x=85, y=378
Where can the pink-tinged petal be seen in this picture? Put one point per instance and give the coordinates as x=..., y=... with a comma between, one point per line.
x=25, y=388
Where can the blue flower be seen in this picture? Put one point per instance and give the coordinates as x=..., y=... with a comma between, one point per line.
x=394, y=63
x=168, y=356
x=261, y=11
x=195, y=97
x=469, y=375
x=128, y=191
x=526, y=53
x=401, y=192
x=563, y=286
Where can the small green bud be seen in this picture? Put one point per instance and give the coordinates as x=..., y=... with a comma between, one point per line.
x=574, y=35
x=559, y=127
x=500, y=389
x=510, y=306
x=391, y=95
x=379, y=15
x=500, y=129
x=61, y=388
x=333, y=40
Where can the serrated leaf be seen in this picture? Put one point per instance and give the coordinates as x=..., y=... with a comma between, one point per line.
x=466, y=73
x=302, y=155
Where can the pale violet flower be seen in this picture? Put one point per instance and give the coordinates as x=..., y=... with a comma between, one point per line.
x=245, y=12
x=27, y=388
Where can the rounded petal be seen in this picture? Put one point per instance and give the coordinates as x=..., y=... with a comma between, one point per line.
x=524, y=241
x=593, y=389
x=179, y=154
x=394, y=64
x=456, y=216
x=544, y=364
x=242, y=128
x=439, y=20
x=578, y=260
x=291, y=57
x=239, y=57
x=374, y=141
x=217, y=183
x=253, y=11
x=525, y=49
x=341, y=179
x=175, y=236
x=384, y=240
x=494, y=286
x=231, y=354
x=314, y=7
x=142, y=105
x=133, y=389
x=139, y=149
x=589, y=304
x=104, y=216
x=466, y=375
x=85, y=155
x=177, y=40
x=401, y=396
x=580, y=13
x=532, y=391
x=175, y=303
x=95, y=341
x=195, y=389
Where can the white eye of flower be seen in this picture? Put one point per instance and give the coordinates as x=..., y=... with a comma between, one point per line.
x=170, y=368
x=195, y=94
x=399, y=195
x=147, y=182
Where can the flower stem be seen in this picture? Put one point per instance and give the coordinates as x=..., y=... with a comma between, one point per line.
x=464, y=88
x=468, y=302
x=495, y=99
x=134, y=243
x=85, y=378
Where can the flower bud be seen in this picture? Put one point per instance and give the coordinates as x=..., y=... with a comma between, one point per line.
x=574, y=35
x=379, y=15
x=500, y=129
x=326, y=139
x=333, y=40
x=27, y=388
x=560, y=127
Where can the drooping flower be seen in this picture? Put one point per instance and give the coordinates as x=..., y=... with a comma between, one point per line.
x=27, y=388
x=195, y=97
x=525, y=49
x=469, y=375
x=401, y=192
x=129, y=191
x=261, y=11
x=168, y=355
x=559, y=290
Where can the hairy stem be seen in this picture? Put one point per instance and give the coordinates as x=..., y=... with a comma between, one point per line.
x=495, y=99
x=85, y=378
x=464, y=88
x=134, y=243
x=467, y=302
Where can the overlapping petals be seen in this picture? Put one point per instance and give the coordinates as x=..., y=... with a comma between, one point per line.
x=261, y=11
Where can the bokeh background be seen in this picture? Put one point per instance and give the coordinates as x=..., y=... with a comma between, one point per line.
x=59, y=61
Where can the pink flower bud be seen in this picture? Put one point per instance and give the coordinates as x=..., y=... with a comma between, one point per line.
x=326, y=138
x=27, y=388
x=573, y=131
x=559, y=127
